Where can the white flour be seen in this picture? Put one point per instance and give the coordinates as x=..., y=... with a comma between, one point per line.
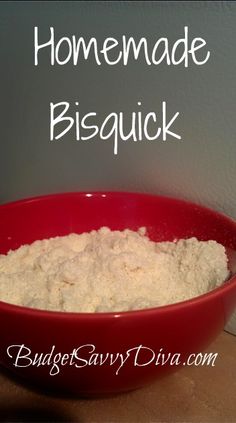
x=108, y=270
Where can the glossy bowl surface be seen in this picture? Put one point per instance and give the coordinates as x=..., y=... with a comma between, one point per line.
x=104, y=353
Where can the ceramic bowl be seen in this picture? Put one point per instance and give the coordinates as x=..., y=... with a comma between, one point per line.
x=103, y=353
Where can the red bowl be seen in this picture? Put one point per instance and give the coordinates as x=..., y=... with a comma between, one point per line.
x=183, y=328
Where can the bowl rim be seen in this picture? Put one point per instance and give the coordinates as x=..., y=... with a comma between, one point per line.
x=227, y=286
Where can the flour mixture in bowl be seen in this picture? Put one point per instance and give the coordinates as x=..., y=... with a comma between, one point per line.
x=108, y=270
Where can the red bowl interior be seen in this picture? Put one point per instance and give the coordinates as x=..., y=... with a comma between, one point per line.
x=186, y=327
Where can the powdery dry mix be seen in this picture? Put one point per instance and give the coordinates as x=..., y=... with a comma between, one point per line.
x=108, y=270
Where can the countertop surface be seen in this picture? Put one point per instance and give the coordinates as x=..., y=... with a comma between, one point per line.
x=192, y=395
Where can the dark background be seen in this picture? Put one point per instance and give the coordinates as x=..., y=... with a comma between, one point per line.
x=201, y=167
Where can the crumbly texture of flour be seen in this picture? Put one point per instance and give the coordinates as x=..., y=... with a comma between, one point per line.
x=108, y=270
